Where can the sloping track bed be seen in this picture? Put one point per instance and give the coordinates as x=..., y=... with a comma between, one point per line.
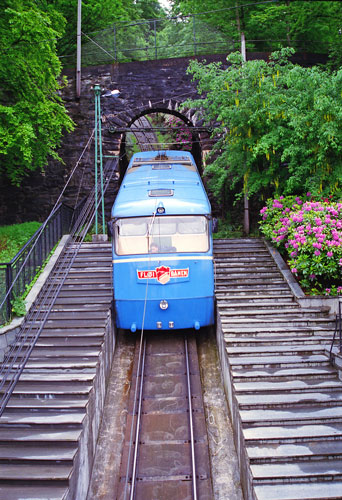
x=165, y=452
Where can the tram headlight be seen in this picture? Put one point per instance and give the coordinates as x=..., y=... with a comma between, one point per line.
x=163, y=305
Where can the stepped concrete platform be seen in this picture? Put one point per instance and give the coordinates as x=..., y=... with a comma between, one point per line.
x=49, y=429
x=284, y=395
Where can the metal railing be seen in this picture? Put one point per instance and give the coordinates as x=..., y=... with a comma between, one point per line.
x=35, y=320
x=166, y=38
x=17, y=274
x=338, y=330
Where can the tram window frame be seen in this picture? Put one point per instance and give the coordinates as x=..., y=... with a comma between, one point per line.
x=182, y=242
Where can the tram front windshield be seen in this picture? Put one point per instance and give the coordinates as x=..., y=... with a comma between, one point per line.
x=161, y=234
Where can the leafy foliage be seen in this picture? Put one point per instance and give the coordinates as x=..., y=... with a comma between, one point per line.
x=279, y=125
x=310, y=26
x=309, y=234
x=14, y=237
x=32, y=116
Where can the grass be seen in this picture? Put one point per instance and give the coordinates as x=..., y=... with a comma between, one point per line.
x=13, y=238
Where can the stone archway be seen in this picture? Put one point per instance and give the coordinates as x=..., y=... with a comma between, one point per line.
x=197, y=137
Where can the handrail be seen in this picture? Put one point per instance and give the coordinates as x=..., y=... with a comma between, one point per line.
x=35, y=320
x=21, y=270
x=338, y=328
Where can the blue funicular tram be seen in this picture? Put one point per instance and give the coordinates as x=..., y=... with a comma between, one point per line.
x=161, y=225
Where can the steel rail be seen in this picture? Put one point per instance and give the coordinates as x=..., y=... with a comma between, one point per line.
x=191, y=424
x=137, y=425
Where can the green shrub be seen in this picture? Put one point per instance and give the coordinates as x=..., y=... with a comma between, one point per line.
x=14, y=237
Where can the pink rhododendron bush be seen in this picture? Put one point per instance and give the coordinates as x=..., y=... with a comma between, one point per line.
x=308, y=234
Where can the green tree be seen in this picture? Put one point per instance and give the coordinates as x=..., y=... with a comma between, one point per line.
x=311, y=26
x=279, y=125
x=32, y=115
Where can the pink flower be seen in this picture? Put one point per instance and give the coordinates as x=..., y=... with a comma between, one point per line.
x=294, y=270
x=317, y=253
x=329, y=254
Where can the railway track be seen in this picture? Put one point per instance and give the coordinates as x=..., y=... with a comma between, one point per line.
x=165, y=454
x=147, y=139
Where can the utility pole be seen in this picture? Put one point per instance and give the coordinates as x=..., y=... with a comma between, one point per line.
x=78, y=62
x=245, y=195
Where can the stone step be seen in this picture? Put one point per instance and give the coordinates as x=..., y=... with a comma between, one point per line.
x=78, y=321
x=68, y=341
x=70, y=419
x=292, y=434
x=288, y=386
x=322, y=470
x=298, y=416
x=48, y=403
x=253, y=278
x=234, y=341
x=283, y=374
x=65, y=351
x=231, y=311
x=69, y=302
x=271, y=350
x=30, y=472
x=287, y=321
x=79, y=308
x=324, y=490
x=289, y=452
x=273, y=361
x=21, y=452
x=312, y=400
x=42, y=436
x=36, y=491
x=44, y=388
x=286, y=393
x=66, y=363
x=258, y=299
x=244, y=268
x=245, y=330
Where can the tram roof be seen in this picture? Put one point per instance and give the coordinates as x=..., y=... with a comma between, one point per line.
x=168, y=178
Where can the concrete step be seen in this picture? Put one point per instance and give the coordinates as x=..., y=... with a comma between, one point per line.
x=298, y=416
x=289, y=452
x=276, y=311
x=283, y=374
x=301, y=490
x=292, y=434
x=272, y=361
x=257, y=330
x=36, y=491
x=247, y=341
x=257, y=299
x=287, y=396
x=288, y=386
x=321, y=470
x=272, y=350
x=48, y=413
x=314, y=399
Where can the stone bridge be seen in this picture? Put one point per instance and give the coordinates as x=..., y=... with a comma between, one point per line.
x=145, y=87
